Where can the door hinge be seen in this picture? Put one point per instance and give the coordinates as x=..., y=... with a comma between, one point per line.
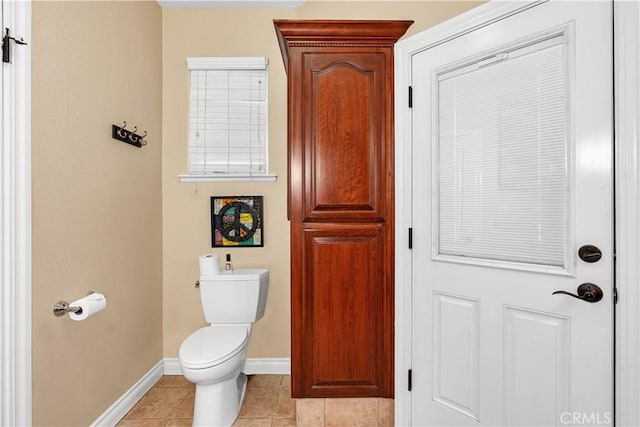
x=6, y=45
x=409, y=380
x=410, y=238
x=410, y=97
x=615, y=295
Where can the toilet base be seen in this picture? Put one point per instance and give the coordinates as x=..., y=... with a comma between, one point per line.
x=218, y=405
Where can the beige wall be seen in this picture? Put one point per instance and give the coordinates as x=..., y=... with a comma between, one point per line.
x=97, y=220
x=114, y=218
x=186, y=230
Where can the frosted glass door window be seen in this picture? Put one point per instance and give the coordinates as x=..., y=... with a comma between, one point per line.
x=502, y=156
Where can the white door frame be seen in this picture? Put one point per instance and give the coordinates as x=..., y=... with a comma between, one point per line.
x=627, y=195
x=15, y=228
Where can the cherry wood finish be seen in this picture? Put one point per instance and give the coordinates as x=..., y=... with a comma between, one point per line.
x=343, y=97
x=340, y=148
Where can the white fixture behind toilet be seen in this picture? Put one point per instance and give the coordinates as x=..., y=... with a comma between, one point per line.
x=213, y=356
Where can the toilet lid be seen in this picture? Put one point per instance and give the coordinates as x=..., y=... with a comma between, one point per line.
x=212, y=345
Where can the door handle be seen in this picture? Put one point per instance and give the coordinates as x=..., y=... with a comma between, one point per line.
x=588, y=292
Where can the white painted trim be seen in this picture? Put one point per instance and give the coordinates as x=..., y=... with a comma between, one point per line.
x=172, y=366
x=627, y=164
x=403, y=221
x=276, y=366
x=15, y=205
x=119, y=409
x=264, y=366
x=467, y=22
x=228, y=178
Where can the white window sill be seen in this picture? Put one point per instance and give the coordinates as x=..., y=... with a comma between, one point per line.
x=228, y=178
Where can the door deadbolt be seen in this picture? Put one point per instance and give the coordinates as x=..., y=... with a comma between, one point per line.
x=589, y=253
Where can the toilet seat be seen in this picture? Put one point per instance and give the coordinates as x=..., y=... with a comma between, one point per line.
x=212, y=345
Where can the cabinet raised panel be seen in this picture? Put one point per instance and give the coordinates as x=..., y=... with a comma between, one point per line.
x=344, y=303
x=343, y=144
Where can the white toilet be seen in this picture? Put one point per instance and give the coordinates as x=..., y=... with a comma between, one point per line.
x=213, y=357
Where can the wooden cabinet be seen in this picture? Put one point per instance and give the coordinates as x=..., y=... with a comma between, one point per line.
x=340, y=118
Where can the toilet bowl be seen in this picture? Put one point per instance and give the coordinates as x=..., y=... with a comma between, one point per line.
x=213, y=356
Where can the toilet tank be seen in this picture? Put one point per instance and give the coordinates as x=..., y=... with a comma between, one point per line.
x=236, y=297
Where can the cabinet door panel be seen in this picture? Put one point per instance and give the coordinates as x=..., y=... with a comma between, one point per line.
x=343, y=132
x=345, y=299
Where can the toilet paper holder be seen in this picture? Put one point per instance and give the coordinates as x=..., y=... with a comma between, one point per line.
x=62, y=307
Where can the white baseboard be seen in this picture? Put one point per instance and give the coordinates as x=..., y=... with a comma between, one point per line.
x=171, y=366
x=276, y=366
x=273, y=365
x=119, y=409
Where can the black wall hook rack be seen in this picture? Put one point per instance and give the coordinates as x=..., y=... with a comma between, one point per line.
x=121, y=133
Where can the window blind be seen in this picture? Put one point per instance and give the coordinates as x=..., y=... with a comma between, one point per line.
x=228, y=116
x=503, y=185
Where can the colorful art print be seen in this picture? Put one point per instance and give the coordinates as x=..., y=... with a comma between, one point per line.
x=237, y=221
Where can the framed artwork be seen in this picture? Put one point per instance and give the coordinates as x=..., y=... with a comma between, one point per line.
x=237, y=221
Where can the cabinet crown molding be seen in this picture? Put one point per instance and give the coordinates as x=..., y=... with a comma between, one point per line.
x=337, y=33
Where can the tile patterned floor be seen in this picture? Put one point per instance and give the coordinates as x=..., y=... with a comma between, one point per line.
x=267, y=403
x=345, y=412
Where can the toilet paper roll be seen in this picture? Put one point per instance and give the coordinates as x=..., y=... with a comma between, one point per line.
x=209, y=264
x=90, y=305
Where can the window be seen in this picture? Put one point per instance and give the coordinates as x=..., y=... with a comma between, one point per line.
x=503, y=178
x=228, y=119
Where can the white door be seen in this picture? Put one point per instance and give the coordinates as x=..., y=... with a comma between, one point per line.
x=512, y=175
